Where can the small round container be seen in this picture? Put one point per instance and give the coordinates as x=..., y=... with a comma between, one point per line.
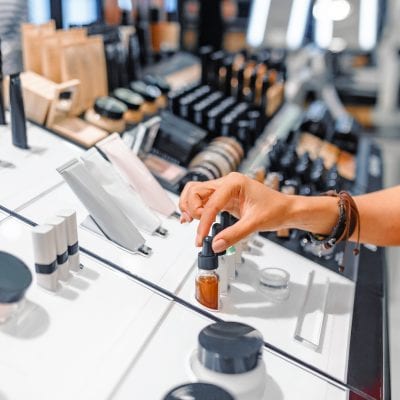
x=107, y=113
x=133, y=101
x=229, y=355
x=198, y=391
x=15, y=278
x=150, y=93
x=164, y=87
x=274, y=283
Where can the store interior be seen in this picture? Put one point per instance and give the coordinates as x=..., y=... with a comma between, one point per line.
x=108, y=109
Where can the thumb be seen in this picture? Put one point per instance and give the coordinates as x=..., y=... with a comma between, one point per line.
x=230, y=236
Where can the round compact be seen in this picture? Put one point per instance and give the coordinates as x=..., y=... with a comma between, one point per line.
x=231, y=142
x=107, y=113
x=15, y=278
x=198, y=391
x=150, y=93
x=133, y=101
x=274, y=283
x=222, y=163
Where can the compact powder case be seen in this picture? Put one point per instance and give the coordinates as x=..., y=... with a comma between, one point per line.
x=133, y=101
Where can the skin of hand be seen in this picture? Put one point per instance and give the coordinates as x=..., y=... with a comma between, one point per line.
x=257, y=207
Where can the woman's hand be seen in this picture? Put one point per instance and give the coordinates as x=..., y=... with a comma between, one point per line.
x=257, y=207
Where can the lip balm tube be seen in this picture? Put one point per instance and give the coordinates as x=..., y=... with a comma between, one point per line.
x=108, y=217
x=60, y=227
x=137, y=175
x=45, y=256
x=72, y=238
x=122, y=194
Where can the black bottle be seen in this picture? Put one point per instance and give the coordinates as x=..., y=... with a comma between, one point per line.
x=18, y=122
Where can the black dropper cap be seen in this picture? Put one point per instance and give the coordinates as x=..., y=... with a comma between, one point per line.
x=217, y=228
x=225, y=219
x=207, y=259
x=229, y=347
x=198, y=391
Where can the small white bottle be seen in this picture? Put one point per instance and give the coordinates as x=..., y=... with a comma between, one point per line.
x=72, y=238
x=45, y=256
x=229, y=355
x=60, y=228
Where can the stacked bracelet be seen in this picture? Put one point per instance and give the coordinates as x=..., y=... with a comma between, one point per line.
x=348, y=221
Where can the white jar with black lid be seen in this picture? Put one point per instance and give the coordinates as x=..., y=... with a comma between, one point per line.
x=15, y=278
x=198, y=391
x=229, y=355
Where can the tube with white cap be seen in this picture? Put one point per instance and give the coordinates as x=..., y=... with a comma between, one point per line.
x=123, y=195
x=106, y=215
x=45, y=256
x=137, y=175
x=72, y=238
x=60, y=228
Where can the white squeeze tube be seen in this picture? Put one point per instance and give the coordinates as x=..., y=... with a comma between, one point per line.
x=122, y=194
x=137, y=175
x=107, y=216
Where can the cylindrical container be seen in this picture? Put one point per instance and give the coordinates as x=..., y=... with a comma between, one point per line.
x=15, y=278
x=107, y=113
x=18, y=120
x=150, y=93
x=60, y=227
x=207, y=281
x=45, y=256
x=229, y=355
x=133, y=101
x=274, y=283
x=72, y=237
x=2, y=108
x=198, y=391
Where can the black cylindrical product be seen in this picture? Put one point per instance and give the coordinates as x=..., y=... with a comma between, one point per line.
x=143, y=34
x=200, y=109
x=243, y=134
x=303, y=167
x=216, y=113
x=205, y=53
x=216, y=59
x=252, y=86
x=198, y=391
x=317, y=173
x=18, y=121
x=240, y=84
x=256, y=124
x=134, y=68
x=2, y=111
x=228, y=64
x=264, y=98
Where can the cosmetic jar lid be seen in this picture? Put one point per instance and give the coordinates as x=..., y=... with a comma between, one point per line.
x=229, y=347
x=274, y=278
x=158, y=81
x=198, y=391
x=131, y=99
x=15, y=278
x=207, y=259
x=109, y=107
x=148, y=92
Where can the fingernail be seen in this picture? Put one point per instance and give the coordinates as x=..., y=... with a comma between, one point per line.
x=219, y=245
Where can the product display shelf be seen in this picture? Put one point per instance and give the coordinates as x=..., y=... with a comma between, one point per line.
x=25, y=174
x=164, y=364
x=172, y=256
x=78, y=342
x=327, y=312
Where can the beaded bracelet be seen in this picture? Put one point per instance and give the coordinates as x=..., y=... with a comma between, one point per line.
x=349, y=219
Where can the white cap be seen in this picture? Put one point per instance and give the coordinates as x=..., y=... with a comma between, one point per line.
x=44, y=244
x=60, y=227
x=72, y=226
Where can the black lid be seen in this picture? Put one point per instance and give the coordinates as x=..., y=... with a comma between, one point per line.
x=158, y=81
x=217, y=228
x=155, y=14
x=207, y=259
x=109, y=107
x=131, y=99
x=172, y=16
x=15, y=278
x=198, y=391
x=229, y=347
x=225, y=220
x=148, y=92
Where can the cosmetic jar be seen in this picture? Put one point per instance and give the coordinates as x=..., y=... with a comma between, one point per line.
x=164, y=87
x=198, y=391
x=274, y=283
x=15, y=278
x=107, y=113
x=150, y=94
x=229, y=355
x=133, y=101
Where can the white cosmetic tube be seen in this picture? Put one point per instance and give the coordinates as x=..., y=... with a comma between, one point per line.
x=72, y=238
x=60, y=228
x=45, y=255
x=123, y=195
x=107, y=216
x=137, y=175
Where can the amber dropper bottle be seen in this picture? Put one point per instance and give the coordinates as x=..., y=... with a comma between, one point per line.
x=207, y=280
